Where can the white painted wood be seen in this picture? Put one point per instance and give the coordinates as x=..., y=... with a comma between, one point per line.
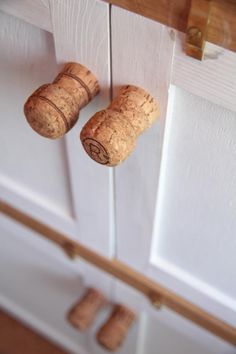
x=34, y=172
x=137, y=178
x=163, y=331
x=183, y=244
x=81, y=33
x=181, y=251
x=36, y=12
x=58, y=281
x=214, y=78
x=53, y=285
x=197, y=246
x=36, y=176
x=164, y=336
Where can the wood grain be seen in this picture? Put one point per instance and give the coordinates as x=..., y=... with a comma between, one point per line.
x=17, y=338
x=198, y=23
x=174, y=13
x=82, y=34
x=213, y=79
x=35, y=12
x=27, y=61
x=129, y=276
x=196, y=207
x=137, y=179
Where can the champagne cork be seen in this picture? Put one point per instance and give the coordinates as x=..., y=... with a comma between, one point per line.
x=53, y=109
x=114, y=331
x=110, y=135
x=83, y=313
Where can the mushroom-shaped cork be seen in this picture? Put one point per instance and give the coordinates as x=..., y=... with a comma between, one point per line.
x=110, y=135
x=53, y=109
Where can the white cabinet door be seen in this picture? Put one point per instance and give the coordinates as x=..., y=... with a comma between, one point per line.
x=53, y=181
x=175, y=195
x=167, y=211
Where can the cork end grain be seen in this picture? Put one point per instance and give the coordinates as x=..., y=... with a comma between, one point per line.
x=102, y=143
x=109, y=137
x=51, y=111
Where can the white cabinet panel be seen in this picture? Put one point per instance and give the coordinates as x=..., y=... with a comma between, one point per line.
x=139, y=60
x=33, y=170
x=171, y=334
x=196, y=222
x=214, y=78
x=81, y=33
x=39, y=284
x=36, y=12
x=54, y=181
x=167, y=211
x=187, y=243
x=163, y=331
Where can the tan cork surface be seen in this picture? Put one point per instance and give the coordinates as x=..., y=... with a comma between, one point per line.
x=53, y=109
x=113, y=333
x=110, y=135
x=83, y=313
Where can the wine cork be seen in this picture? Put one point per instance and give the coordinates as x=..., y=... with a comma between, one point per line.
x=113, y=333
x=110, y=135
x=83, y=313
x=53, y=109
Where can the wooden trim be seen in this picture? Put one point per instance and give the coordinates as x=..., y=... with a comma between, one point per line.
x=154, y=291
x=174, y=13
x=198, y=23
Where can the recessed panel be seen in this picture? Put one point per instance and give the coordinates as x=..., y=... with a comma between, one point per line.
x=30, y=165
x=164, y=331
x=196, y=215
x=40, y=285
x=173, y=334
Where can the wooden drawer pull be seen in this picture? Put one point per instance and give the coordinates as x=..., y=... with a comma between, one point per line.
x=110, y=135
x=114, y=331
x=53, y=109
x=83, y=313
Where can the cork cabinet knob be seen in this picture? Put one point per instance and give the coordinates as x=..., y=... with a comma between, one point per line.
x=83, y=313
x=53, y=109
x=114, y=331
x=110, y=135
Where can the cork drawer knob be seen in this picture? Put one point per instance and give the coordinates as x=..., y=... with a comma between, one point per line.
x=114, y=331
x=83, y=313
x=110, y=135
x=53, y=109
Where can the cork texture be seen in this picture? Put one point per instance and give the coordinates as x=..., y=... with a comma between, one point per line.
x=53, y=109
x=79, y=82
x=83, y=313
x=110, y=135
x=113, y=333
